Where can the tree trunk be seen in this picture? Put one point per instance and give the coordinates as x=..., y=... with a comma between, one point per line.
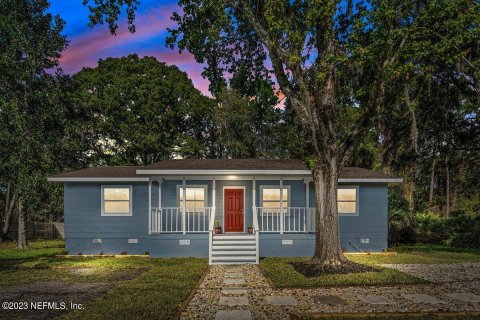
x=447, y=187
x=327, y=240
x=9, y=205
x=22, y=227
x=432, y=183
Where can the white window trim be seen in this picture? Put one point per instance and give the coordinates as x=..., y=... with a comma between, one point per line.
x=204, y=186
x=357, y=201
x=277, y=186
x=130, y=197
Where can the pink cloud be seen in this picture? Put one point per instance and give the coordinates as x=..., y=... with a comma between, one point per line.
x=87, y=48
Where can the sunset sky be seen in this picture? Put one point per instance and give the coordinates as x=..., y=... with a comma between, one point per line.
x=88, y=45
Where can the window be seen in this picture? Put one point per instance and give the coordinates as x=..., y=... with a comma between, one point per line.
x=195, y=197
x=116, y=200
x=270, y=196
x=347, y=200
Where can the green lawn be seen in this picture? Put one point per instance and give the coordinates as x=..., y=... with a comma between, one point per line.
x=282, y=273
x=142, y=287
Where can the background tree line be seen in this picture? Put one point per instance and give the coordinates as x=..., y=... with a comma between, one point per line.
x=135, y=111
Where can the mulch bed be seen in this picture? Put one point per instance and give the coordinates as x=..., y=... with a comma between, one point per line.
x=310, y=269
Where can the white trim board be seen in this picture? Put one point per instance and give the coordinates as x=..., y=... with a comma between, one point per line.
x=93, y=179
x=225, y=172
x=244, y=209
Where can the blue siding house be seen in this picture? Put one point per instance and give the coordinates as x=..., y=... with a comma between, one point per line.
x=229, y=210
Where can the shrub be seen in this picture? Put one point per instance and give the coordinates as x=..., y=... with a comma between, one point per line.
x=401, y=227
x=461, y=230
x=431, y=228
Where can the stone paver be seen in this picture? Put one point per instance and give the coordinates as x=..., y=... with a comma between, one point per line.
x=330, y=300
x=234, y=301
x=233, y=315
x=465, y=296
x=233, y=275
x=422, y=298
x=234, y=291
x=282, y=300
x=233, y=281
x=373, y=299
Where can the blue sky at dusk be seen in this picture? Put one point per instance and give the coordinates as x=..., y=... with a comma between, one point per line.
x=88, y=45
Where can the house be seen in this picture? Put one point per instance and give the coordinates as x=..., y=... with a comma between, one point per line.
x=170, y=209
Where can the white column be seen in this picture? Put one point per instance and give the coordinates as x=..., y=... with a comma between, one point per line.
x=184, y=186
x=214, y=198
x=160, y=182
x=149, y=206
x=254, y=204
x=281, y=206
x=307, y=190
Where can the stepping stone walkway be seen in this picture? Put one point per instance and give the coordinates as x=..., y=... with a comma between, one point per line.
x=330, y=300
x=233, y=315
x=233, y=276
x=422, y=298
x=465, y=296
x=284, y=301
x=243, y=292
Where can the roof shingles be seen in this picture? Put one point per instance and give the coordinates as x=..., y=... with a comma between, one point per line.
x=213, y=164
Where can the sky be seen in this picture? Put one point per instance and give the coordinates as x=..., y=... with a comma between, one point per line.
x=87, y=45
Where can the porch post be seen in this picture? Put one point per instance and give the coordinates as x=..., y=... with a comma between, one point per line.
x=160, y=182
x=307, y=204
x=307, y=190
x=149, y=206
x=214, y=197
x=254, y=203
x=184, y=187
x=281, y=206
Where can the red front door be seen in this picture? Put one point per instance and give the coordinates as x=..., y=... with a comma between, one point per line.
x=233, y=210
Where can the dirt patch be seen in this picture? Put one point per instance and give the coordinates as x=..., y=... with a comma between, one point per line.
x=309, y=269
x=113, y=275
x=55, y=298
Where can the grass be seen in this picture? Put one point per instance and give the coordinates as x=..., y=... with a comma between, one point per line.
x=282, y=274
x=157, y=290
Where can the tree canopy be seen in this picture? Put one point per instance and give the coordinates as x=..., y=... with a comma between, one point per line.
x=142, y=110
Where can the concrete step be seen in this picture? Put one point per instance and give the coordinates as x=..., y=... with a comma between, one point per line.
x=233, y=237
x=233, y=262
x=230, y=253
x=238, y=247
x=237, y=258
x=225, y=242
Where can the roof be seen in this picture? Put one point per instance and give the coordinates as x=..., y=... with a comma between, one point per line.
x=227, y=164
x=214, y=167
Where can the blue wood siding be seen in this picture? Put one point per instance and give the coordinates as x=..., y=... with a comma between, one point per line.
x=83, y=220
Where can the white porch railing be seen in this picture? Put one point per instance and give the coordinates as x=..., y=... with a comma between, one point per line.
x=288, y=219
x=180, y=220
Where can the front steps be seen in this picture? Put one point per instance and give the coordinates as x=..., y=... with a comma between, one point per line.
x=233, y=249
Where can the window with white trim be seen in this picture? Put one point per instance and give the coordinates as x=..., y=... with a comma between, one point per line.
x=116, y=200
x=347, y=200
x=195, y=197
x=270, y=198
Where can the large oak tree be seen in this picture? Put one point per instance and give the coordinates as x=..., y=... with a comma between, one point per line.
x=334, y=61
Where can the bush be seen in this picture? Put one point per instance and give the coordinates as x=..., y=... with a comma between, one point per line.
x=401, y=227
x=465, y=231
x=431, y=228
x=461, y=230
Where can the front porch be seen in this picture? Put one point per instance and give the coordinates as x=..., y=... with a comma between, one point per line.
x=263, y=205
